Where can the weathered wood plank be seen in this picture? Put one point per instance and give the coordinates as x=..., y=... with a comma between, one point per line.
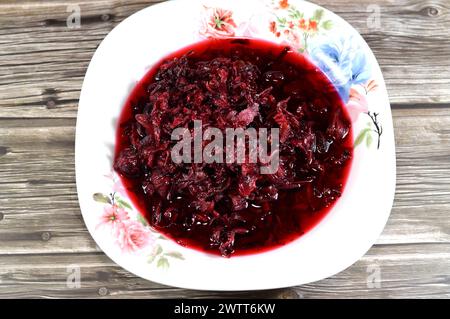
x=42, y=62
x=406, y=271
x=37, y=186
x=416, y=270
x=47, y=276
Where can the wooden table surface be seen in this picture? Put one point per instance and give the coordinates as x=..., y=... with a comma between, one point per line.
x=42, y=234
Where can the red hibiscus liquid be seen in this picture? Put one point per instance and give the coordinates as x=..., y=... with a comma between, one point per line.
x=232, y=208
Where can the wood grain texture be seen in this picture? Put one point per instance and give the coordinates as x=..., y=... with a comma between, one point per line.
x=404, y=272
x=42, y=61
x=412, y=253
x=42, y=64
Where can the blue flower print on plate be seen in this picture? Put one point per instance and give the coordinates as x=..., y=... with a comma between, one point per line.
x=344, y=62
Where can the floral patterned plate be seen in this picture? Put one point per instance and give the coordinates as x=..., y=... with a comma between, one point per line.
x=128, y=52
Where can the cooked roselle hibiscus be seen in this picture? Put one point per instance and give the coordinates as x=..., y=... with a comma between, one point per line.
x=232, y=207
